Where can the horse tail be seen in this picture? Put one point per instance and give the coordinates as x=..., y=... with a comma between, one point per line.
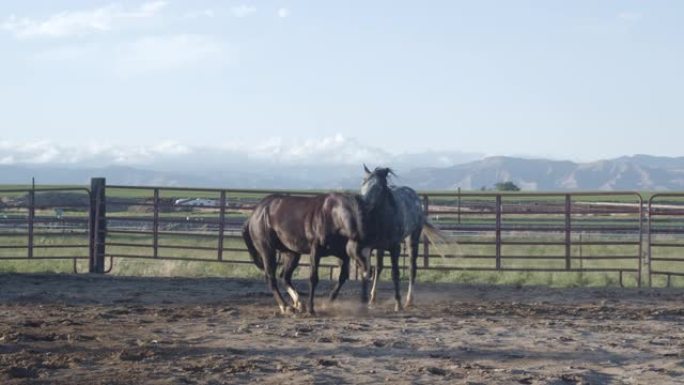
x=250, y=245
x=438, y=238
x=434, y=235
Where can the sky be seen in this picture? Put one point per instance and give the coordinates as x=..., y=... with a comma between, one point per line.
x=578, y=80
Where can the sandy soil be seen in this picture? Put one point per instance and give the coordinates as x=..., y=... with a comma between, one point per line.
x=65, y=329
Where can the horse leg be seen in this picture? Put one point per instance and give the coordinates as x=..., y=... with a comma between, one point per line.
x=415, y=238
x=361, y=256
x=342, y=278
x=379, y=255
x=313, y=277
x=270, y=270
x=395, y=251
x=291, y=263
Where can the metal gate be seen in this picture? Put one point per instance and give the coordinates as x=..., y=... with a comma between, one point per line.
x=666, y=237
x=179, y=224
x=540, y=232
x=46, y=224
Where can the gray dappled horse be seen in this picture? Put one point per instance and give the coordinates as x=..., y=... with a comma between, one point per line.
x=320, y=225
x=391, y=215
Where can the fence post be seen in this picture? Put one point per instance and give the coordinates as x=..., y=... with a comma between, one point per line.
x=222, y=223
x=98, y=225
x=155, y=225
x=31, y=217
x=459, y=206
x=649, y=250
x=581, y=257
x=426, y=243
x=641, y=241
x=498, y=231
x=648, y=234
x=568, y=231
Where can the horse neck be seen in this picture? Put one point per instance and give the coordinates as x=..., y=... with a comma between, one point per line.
x=384, y=204
x=381, y=220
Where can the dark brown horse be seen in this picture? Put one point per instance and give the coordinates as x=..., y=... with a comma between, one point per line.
x=326, y=224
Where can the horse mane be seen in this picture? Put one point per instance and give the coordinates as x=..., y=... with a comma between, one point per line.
x=386, y=172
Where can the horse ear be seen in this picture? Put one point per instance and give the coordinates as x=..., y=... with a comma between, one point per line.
x=384, y=172
x=366, y=169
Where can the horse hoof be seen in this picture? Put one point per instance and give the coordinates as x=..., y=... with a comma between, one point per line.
x=398, y=308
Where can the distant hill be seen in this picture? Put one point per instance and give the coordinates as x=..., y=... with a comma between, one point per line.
x=639, y=172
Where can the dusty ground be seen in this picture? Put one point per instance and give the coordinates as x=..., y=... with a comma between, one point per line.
x=63, y=329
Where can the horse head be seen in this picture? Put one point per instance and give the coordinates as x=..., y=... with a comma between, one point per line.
x=375, y=187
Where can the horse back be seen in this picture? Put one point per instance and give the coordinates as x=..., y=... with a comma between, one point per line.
x=295, y=222
x=408, y=201
x=341, y=215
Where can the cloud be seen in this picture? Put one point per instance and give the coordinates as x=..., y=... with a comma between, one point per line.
x=34, y=152
x=243, y=10
x=283, y=13
x=78, y=23
x=200, y=14
x=328, y=150
x=170, y=147
x=274, y=154
x=630, y=16
x=143, y=55
x=149, y=9
x=7, y=160
x=83, y=53
x=42, y=152
x=162, y=53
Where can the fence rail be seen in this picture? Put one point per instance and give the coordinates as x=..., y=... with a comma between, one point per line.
x=517, y=232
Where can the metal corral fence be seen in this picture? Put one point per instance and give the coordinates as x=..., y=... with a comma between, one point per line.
x=518, y=232
x=666, y=236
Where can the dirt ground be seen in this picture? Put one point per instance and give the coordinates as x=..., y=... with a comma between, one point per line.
x=66, y=329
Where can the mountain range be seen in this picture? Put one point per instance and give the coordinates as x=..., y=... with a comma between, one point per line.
x=638, y=172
